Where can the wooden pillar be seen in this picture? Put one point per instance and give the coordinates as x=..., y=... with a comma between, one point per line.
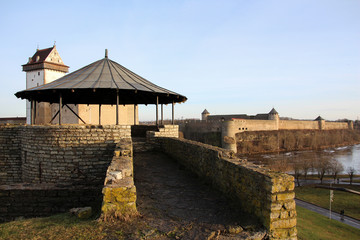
x=117, y=107
x=135, y=115
x=35, y=103
x=32, y=112
x=162, y=114
x=60, y=107
x=172, y=117
x=157, y=110
x=99, y=114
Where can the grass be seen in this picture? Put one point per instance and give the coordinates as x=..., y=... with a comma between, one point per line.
x=64, y=226
x=342, y=200
x=311, y=225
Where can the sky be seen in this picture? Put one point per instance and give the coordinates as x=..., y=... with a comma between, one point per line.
x=229, y=57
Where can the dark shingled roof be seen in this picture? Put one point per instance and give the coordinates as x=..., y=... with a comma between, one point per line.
x=42, y=54
x=98, y=83
x=273, y=111
x=205, y=112
x=319, y=118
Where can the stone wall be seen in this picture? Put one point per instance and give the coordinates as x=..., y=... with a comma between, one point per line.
x=293, y=140
x=209, y=131
x=164, y=131
x=269, y=195
x=296, y=124
x=37, y=200
x=60, y=167
x=119, y=192
x=202, y=131
x=10, y=154
x=69, y=153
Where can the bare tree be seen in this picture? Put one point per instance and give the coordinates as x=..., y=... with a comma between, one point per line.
x=297, y=167
x=322, y=166
x=306, y=165
x=335, y=168
x=351, y=171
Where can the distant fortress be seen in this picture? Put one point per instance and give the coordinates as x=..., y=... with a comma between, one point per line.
x=230, y=125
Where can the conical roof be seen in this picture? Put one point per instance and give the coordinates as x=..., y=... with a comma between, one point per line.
x=205, y=112
x=98, y=83
x=273, y=111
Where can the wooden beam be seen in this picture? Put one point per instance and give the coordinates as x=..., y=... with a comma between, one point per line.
x=157, y=110
x=117, y=107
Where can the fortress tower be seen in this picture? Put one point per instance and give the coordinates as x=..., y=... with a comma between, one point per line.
x=274, y=115
x=43, y=67
x=204, y=115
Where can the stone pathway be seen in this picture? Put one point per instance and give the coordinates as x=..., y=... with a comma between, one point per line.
x=178, y=205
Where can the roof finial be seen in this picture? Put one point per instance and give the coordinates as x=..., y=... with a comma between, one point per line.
x=54, y=43
x=106, y=53
x=37, y=47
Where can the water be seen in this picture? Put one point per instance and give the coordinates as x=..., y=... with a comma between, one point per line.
x=348, y=156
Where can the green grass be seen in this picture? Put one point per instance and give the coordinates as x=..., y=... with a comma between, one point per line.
x=342, y=200
x=311, y=225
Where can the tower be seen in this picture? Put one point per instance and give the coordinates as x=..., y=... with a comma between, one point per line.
x=43, y=67
x=274, y=115
x=204, y=115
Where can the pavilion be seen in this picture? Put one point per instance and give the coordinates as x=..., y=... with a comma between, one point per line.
x=103, y=82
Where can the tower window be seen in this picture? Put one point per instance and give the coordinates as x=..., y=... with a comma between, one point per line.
x=38, y=73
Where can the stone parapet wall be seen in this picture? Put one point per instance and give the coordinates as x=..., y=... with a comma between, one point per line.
x=69, y=154
x=269, y=195
x=38, y=200
x=164, y=131
x=10, y=154
x=119, y=192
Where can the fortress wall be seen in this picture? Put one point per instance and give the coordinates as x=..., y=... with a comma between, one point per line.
x=69, y=154
x=255, y=125
x=336, y=125
x=269, y=195
x=295, y=124
x=10, y=154
x=208, y=132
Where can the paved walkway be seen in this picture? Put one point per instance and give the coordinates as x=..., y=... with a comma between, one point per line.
x=175, y=201
x=323, y=211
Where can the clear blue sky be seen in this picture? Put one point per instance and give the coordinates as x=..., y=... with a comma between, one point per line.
x=236, y=56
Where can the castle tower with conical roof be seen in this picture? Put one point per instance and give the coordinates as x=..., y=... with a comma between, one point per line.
x=204, y=115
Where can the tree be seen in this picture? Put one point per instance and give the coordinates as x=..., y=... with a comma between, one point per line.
x=351, y=171
x=335, y=168
x=322, y=166
x=297, y=167
x=306, y=165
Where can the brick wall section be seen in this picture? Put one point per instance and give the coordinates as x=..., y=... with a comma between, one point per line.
x=269, y=195
x=119, y=192
x=70, y=154
x=10, y=154
x=44, y=200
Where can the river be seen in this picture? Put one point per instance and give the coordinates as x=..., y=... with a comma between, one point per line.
x=348, y=156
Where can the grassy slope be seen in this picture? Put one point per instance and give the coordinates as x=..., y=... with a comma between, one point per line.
x=342, y=200
x=311, y=225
